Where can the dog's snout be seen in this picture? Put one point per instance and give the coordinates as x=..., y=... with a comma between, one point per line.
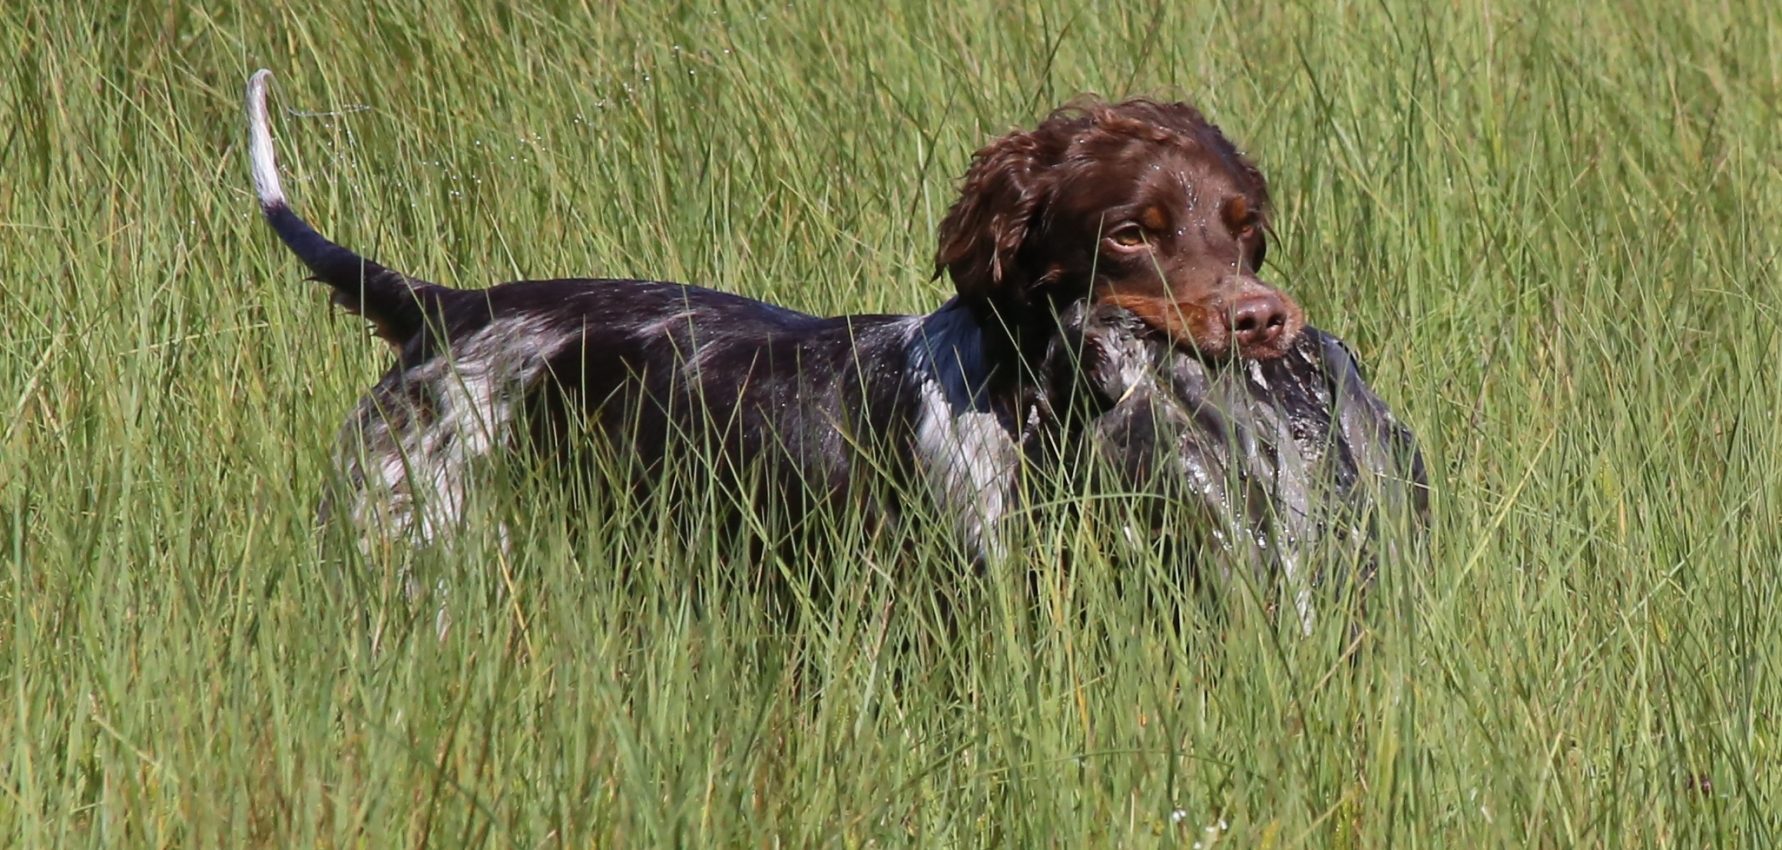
x=1258, y=321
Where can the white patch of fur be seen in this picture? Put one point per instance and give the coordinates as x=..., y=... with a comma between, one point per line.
x=667, y=325
x=968, y=458
x=700, y=347
x=1133, y=368
x=260, y=153
x=1255, y=367
x=410, y=452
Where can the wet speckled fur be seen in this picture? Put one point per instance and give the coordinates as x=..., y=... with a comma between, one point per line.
x=1274, y=458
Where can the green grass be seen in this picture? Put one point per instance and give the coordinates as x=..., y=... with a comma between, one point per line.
x=1551, y=231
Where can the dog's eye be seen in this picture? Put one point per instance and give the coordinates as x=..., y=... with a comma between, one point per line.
x=1249, y=228
x=1243, y=218
x=1128, y=235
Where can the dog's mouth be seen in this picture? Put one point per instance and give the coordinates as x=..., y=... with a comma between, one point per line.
x=1261, y=325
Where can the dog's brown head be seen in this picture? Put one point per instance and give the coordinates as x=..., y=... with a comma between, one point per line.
x=1140, y=204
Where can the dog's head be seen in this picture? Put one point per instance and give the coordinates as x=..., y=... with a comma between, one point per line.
x=1138, y=204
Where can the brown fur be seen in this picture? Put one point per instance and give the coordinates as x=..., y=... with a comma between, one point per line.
x=1139, y=204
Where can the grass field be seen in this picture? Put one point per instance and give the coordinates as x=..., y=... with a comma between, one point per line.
x=1551, y=231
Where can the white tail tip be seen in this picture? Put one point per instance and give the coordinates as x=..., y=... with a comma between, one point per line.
x=265, y=163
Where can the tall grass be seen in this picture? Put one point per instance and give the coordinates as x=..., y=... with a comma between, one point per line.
x=1550, y=229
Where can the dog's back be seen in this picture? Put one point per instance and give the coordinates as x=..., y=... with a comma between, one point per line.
x=648, y=367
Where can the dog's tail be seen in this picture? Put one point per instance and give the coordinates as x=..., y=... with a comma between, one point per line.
x=394, y=303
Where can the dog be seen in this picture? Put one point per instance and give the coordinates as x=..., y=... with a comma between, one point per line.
x=1140, y=207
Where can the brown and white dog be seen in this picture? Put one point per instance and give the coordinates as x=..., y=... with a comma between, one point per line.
x=1140, y=208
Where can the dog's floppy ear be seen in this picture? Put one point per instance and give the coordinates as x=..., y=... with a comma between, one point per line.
x=983, y=232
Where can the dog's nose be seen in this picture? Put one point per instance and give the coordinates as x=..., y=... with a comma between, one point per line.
x=1258, y=321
